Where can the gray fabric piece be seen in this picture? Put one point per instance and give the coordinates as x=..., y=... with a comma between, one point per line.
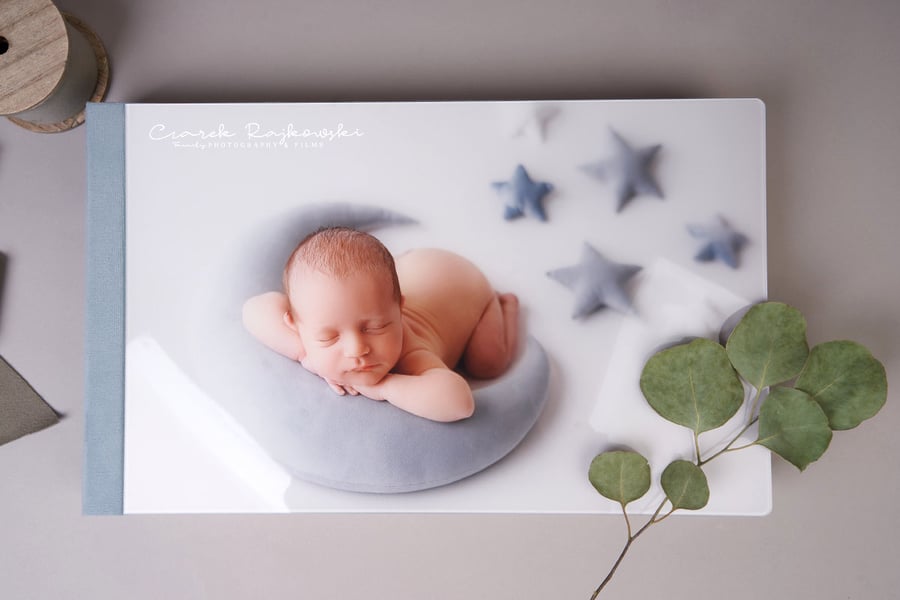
x=3, y=261
x=345, y=442
x=22, y=410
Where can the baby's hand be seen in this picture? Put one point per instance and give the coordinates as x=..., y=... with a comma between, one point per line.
x=341, y=389
x=336, y=387
x=374, y=392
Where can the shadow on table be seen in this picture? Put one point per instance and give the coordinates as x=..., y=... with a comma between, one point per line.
x=230, y=91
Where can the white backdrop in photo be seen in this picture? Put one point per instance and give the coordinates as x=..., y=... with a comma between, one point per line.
x=435, y=162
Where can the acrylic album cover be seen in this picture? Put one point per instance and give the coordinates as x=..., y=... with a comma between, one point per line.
x=620, y=227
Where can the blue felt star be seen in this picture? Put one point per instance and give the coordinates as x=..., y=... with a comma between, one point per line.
x=597, y=282
x=629, y=170
x=523, y=195
x=722, y=242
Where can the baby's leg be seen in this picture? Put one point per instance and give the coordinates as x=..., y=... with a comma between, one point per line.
x=495, y=338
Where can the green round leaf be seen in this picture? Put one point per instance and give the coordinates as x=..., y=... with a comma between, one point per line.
x=793, y=426
x=846, y=380
x=769, y=346
x=620, y=475
x=685, y=485
x=693, y=385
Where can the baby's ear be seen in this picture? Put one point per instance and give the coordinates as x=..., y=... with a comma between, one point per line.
x=289, y=320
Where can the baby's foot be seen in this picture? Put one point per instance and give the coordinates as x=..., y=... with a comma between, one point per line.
x=508, y=301
x=509, y=306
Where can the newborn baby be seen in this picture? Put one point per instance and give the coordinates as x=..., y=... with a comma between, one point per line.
x=342, y=316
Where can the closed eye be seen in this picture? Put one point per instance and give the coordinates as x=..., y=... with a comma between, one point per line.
x=375, y=328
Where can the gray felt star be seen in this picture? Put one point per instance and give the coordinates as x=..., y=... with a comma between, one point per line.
x=629, y=169
x=523, y=195
x=721, y=242
x=597, y=282
x=533, y=122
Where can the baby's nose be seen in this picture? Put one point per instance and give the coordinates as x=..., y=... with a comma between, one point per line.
x=355, y=346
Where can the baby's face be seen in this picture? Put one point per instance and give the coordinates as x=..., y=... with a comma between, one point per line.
x=352, y=329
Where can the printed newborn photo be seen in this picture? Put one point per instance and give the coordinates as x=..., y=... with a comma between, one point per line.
x=425, y=307
x=343, y=316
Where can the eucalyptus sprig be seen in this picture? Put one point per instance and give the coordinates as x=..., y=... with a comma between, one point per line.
x=797, y=396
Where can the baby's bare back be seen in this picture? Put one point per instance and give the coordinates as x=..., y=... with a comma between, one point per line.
x=445, y=297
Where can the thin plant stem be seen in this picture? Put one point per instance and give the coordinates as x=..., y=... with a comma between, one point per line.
x=744, y=447
x=755, y=406
x=613, y=570
x=753, y=418
x=728, y=448
x=665, y=516
x=628, y=543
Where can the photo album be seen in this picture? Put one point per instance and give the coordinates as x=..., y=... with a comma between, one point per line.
x=410, y=307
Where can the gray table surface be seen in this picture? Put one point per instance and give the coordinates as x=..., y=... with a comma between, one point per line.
x=828, y=72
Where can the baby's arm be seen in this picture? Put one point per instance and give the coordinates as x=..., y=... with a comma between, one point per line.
x=264, y=317
x=429, y=389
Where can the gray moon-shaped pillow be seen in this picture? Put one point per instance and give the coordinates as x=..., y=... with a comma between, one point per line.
x=344, y=442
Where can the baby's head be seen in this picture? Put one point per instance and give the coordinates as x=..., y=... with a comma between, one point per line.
x=345, y=303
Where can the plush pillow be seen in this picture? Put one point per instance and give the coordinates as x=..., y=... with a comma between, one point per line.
x=346, y=442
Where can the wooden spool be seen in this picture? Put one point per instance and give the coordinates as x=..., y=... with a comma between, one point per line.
x=51, y=65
